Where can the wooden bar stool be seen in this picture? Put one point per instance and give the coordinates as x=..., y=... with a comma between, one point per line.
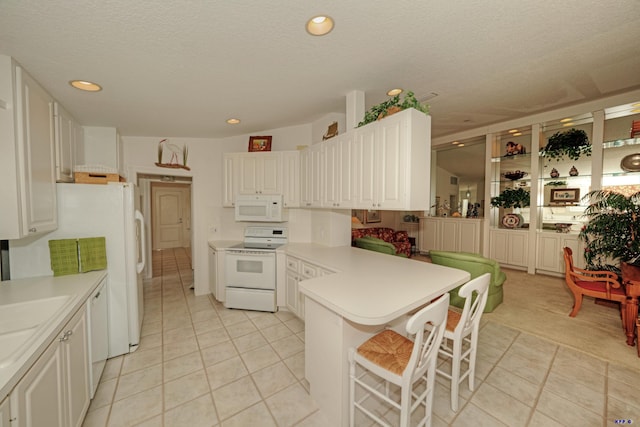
x=460, y=341
x=391, y=358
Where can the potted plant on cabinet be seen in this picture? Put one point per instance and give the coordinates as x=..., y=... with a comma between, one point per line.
x=572, y=143
x=515, y=198
x=611, y=235
x=391, y=106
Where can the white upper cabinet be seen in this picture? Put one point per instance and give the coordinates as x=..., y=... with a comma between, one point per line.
x=103, y=146
x=392, y=162
x=67, y=132
x=311, y=176
x=276, y=172
x=338, y=174
x=27, y=164
x=291, y=179
x=260, y=173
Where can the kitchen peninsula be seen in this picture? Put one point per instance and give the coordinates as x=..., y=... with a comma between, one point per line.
x=369, y=291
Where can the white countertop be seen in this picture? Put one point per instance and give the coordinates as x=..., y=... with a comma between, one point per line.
x=371, y=288
x=78, y=286
x=223, y=244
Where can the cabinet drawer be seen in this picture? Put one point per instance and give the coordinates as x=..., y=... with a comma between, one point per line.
x=293, y=264
x=309, y=270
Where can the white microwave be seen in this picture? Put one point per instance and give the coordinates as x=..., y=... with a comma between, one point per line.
x=260, y=208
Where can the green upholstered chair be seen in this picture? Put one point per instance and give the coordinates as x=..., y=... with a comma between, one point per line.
x=476, y=265
x=378, y=245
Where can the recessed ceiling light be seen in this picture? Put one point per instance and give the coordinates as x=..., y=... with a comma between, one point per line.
x=568, y=119
x=319, y=25
x=517, y=134
x=456, y=142
x=568, y=124
x=460, y=145
x=394, y=92
x=513, y=130
x=233, y=121
x=85, y=85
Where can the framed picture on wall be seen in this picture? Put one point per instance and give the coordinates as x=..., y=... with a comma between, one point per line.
x=259, y=143
x=372, y=216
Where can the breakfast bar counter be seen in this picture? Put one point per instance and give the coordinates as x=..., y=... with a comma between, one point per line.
x=369, y=291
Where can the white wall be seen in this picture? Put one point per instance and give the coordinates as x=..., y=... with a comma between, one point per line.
x=210, y=220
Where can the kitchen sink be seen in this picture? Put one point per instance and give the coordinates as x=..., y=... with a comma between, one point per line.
x=21, y=322
x=29, y=314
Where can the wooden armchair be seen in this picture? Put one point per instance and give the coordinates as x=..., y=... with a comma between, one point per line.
x=596, y=284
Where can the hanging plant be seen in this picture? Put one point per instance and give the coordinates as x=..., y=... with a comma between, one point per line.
x=572, y=144
x=512, y=198
x=392, y=105
x=612, y=233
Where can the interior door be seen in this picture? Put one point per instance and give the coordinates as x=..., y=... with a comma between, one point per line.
x=171, y=218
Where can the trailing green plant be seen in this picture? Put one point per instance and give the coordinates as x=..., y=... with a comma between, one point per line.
x=555, y=183
x=512, y=198
x=611, y=234
x=381, y=110
x=572, y=143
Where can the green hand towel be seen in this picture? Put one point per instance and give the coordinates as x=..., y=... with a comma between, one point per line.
x=64, y=256
x=93, y=254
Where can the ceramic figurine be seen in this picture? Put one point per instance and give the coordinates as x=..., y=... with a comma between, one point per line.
x=573, y=171
x=554, y=173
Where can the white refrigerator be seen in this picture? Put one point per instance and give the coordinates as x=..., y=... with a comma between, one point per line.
x=94, y=210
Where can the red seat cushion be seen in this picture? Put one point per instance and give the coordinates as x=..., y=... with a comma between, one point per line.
x=598, y=287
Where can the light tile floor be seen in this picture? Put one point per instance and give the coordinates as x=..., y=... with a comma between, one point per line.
x=200, y=364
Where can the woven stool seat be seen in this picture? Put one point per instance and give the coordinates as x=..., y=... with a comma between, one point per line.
x=389, y=350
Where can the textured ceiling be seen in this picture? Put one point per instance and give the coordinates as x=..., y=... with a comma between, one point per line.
x=182, y=68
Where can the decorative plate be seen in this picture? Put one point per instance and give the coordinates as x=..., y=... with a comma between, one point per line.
x=512, y=220
x=515, y=175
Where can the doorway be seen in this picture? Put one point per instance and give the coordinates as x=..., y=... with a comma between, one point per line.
x=170, y=215
x=176, y=192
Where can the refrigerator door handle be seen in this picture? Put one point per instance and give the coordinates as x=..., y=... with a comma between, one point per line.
x=143, y=242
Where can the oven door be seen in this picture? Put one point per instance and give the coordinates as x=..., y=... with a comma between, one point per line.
x=250, y=269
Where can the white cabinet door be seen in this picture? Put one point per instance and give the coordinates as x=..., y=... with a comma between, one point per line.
x=449, y=233
x=65, y=143
x=428, y=235
x=5, y=415
x=231, y=165
x=76, y=360
x=314, y=175
x=392, y=159
x=291, y=290
x=469, y=235
x=550, y=256
x=332, y=169
x=549, y=252
x=392, y=164
x=36, y=143
x=39, y=398
x=260, y=173
x=55, y=390
x=366, y=168
x=213, y=272
x=291, y=179
x=509, y=247
x=345, y=171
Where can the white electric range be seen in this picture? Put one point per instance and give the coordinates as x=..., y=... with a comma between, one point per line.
x=250, y=269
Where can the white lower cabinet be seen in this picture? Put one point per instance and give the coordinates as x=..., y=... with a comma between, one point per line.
x=509, y=247
x=55, y=390
x=450, y=234
x=5, y=416
x=298, y=270
x=216, y=274
x=550, y=256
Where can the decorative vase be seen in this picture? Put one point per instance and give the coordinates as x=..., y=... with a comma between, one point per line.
x=573, y=171
x=554, y=173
